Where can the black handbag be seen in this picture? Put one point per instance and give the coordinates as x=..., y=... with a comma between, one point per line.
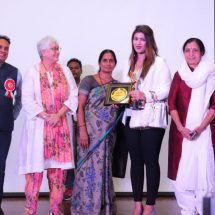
x=120, y=153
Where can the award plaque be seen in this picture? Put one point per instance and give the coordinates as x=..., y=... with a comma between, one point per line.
x=118, y=93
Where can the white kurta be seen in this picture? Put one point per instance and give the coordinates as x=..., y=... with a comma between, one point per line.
x=31, y=151
x=197, y=168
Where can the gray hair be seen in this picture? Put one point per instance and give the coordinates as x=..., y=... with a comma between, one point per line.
x=45, y=43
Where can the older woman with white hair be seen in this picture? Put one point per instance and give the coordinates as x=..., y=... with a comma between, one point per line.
x=48, y=93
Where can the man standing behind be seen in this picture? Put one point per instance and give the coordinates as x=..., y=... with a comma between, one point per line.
x=76, y=68
x=10, y=105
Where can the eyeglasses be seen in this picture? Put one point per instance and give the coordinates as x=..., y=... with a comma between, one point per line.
x=55, y=49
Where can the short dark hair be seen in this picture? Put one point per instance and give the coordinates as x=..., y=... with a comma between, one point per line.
x=198, y=42
x=75, y=60
x=4, y=37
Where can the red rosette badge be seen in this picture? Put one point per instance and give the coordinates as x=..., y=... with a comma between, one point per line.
x=9, y=86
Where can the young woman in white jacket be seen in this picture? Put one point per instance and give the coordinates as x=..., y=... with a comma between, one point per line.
x=146, y=118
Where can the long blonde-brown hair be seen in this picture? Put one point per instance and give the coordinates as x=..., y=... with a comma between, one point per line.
x=151, y=49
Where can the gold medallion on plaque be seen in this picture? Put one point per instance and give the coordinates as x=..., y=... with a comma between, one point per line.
x=119, y=94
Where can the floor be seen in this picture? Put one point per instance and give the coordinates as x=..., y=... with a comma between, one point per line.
x=164, y=206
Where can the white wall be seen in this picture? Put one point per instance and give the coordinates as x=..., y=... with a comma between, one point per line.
x=84, y=28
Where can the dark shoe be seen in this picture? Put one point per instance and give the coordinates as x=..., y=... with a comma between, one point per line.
x=67, y=194
x=1, y=212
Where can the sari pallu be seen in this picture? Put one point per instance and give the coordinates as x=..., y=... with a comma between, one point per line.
x=93, y=191
x=54, y=93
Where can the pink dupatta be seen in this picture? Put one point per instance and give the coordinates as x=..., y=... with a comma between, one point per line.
x=56, y=139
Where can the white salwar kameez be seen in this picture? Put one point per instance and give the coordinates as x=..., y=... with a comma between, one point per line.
x=196, y=172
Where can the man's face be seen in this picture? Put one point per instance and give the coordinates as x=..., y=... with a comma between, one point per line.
x=4, y=49
x=75, y=69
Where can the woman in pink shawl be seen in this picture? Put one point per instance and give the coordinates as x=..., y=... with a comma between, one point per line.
x=191, y=141
x=48, y=93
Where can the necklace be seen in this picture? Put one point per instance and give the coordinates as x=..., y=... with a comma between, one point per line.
x=105, y=81
x=49, y=76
